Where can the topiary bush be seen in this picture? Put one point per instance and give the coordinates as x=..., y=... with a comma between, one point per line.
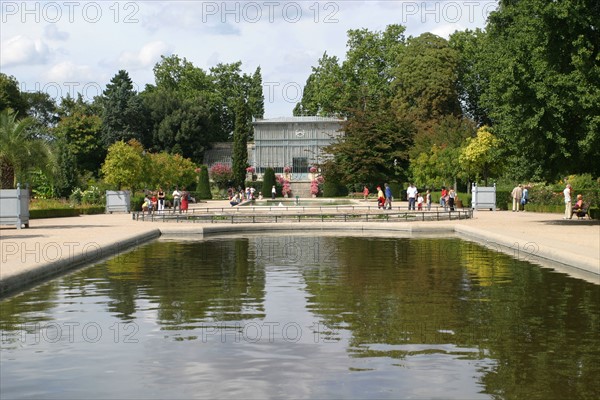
x=203, y=188
x=268, y=182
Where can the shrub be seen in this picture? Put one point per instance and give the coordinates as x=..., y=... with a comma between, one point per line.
x=286, y=189
x=314, y=187
x=222, y=175
x=203, y=188
x=92, y=195
x=268, y=181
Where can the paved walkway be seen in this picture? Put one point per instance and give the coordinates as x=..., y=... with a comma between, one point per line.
x=52, y=246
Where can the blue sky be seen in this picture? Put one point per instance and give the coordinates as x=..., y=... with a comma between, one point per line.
x=62, y=47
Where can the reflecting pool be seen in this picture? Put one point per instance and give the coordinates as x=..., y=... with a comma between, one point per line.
x=304, y=317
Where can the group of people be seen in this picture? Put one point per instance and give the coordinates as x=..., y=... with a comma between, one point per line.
x=156, y=201
x=385, y=197
x=240, y=195
x=570, y=209
x=520, y=197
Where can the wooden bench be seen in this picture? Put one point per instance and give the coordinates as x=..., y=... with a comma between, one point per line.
x=581, y=212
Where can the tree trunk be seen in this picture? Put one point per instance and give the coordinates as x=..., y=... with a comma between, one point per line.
x=7, y=175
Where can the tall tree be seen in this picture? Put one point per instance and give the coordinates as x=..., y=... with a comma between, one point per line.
x=544, y=85
x=11, y=97
x=374, y=148
x=256, y=98
x=240, y=143
x=123, y=114
x=472, y=73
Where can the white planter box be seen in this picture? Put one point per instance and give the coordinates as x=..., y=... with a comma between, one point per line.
x=14, y=207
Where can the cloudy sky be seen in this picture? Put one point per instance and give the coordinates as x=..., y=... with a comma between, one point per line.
x=62, y=47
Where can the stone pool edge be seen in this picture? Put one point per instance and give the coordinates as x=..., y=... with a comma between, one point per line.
x=42, y=272
x=32, y=276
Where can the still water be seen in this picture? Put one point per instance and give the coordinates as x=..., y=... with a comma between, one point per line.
x=304, y=317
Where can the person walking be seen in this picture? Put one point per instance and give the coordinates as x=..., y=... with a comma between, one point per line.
x=525, y=198
x=451, y=199
x=366, y=193
x=380, y=198
x=567, y=194
x=428, y=200
x=388, y=197
x=185, y=200
x=176, y=200
x=161, y=200
x=411, y=194
x=273, y=192
x=517, y=194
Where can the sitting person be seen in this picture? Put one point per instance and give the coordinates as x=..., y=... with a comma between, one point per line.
x=235, y=200
x=578, y=207
x=147, y=205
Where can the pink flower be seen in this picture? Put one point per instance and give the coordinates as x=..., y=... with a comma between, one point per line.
x=250, y=170
x=287, y=170
x=314, y=187
x=313, y=170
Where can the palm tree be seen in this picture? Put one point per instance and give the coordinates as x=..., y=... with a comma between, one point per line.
x=19, y=149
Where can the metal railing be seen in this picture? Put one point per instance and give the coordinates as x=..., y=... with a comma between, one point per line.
x=219, y=215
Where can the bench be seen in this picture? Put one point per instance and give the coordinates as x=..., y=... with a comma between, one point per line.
x=581, y=212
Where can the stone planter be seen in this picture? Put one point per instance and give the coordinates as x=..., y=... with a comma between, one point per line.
x=14, y=207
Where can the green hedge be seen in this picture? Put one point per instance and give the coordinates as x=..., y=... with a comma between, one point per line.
x=65, y=212
x=464, y=197
x=594, y=212
x=333, y=189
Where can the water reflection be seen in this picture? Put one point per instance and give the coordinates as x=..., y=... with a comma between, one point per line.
x=307, y=317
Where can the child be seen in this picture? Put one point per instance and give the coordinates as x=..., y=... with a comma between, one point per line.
x=380, y=197
x=419, y=202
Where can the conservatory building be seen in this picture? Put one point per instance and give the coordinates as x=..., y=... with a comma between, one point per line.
x=293, y=142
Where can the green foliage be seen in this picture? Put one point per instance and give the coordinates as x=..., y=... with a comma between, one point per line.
x=11, y=97
x=334, y=189
x=268, y=182
x=240, y=143
x=367, y=151
x=221, y=175
x=480, y=156
x=66, y=176
x=41, y=185
x=168, y=170
x=542, y=88
x=123, y=113
x=581, y=182
x=124, y=165
x=80, y=131
x=425, y=84
x=594, y=213
x=20, y=149
x=437, y=168
x=203, y=188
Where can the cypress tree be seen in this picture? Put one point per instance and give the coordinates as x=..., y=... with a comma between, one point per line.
x=268, y=182
x=204, y=184
x=240, y=143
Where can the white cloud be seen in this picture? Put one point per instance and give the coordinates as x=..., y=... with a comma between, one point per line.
x=67, y=71
x=51, y=32
x=206, y=33
x=22, y=50
x=148, y=55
